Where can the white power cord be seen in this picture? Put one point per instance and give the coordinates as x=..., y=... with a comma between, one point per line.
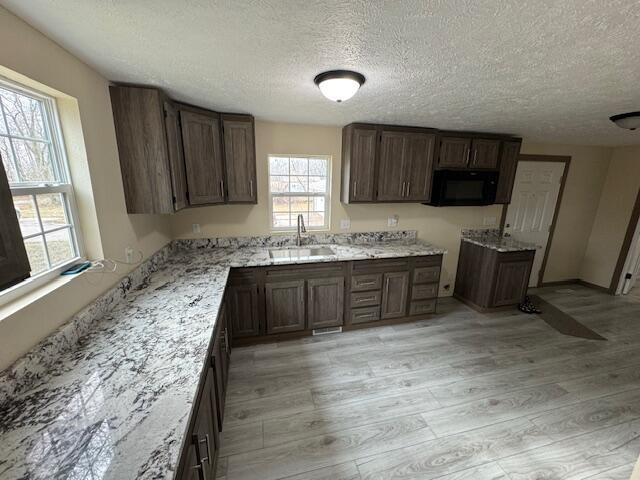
x=110, y=265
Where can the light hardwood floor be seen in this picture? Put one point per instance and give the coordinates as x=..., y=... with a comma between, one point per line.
x=461, y=396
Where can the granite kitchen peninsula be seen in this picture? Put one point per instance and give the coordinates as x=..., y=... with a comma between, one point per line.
x=134, y=385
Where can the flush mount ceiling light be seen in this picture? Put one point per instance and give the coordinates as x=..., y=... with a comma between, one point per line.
x=339, y=85
x=630, y=120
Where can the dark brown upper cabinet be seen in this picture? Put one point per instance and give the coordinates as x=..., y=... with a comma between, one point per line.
x=240, y=158
x=202, y=155
x=148, y=147
x=484, y=153
x=359, y=150
x=386, y=163
x=508, y=166
x=406, y=161
x=468, y=152
x=174, y=155
x=454, y=152
x=14, y=263
x=391, y=172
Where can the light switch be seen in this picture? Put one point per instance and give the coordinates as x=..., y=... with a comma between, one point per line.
x=345, y=223
x=195, y=228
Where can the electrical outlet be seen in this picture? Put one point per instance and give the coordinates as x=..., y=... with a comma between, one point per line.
x=392, y=221
x=195, y=228
x=128, y=255
x=345, y=224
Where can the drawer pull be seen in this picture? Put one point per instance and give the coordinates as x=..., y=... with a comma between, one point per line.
x=366, y=299
x=365, y=315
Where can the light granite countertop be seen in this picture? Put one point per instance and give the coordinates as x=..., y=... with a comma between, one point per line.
x=116, y=404
x=493, y=239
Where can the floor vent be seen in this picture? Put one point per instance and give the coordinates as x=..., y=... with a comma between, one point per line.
x=324, y=331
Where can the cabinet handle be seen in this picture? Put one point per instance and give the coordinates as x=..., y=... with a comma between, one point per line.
x=468, y=155
x=403, y=184
x=364, y=315
x=408, y=188
x=365, y=299
x=366, y=284
x=355, y=188
x=475, y=157
x=251, y=188
x=206, y=441
x=221, y=188
x=386, y=287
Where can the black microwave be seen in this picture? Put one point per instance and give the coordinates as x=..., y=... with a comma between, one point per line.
x=460, y=187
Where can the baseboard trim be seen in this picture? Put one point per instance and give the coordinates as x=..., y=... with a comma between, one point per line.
x=577, y=281
x=595, y=287
x=560, y=282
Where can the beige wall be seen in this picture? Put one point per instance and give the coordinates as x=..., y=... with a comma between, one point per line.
x=29, y=56
x=582, y=191
x=612, y=218
x=440, y=226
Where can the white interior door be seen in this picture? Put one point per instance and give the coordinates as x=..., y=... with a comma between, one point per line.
x=533, y=204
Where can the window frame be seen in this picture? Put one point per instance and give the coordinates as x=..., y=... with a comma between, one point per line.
x=326, y=195
x=64, y=185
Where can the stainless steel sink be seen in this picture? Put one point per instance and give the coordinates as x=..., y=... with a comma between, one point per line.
x=298, y=252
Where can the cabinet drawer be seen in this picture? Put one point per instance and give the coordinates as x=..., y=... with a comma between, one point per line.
x=366, y=282
x=426, y=274
x=365, y=299
x=366, y=314
x=422, y=306
x=422, y=292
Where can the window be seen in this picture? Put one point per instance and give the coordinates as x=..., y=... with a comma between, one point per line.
x=34, y=160
x=299, y=184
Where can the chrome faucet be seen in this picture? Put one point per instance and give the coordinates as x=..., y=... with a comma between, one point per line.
x=301, y=230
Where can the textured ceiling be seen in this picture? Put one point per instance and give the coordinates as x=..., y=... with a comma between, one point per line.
x=549, y=70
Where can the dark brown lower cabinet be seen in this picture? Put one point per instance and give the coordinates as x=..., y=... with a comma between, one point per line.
x=293, y=300
x=243, y=303
x=285, y=306
x=220, y=356
x=394, y=295
x=325, y=302
x=488, y=279
x=201, y=449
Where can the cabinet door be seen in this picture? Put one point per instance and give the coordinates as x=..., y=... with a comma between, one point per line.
x=512, y=279
x=418, y=166
x=240, y=158
x=508, y=166
x=225, y=346
x=395, y=289
x=14, y=263
x=205, y=432
x=454, y=152
x=243, y=310
x=360, y=151
x=176, y=158
x=203, y=157
x=391, y=171
x=325, y=302
x=285, y=306
x=219, y=368
x=142, y=148
x=484, y=153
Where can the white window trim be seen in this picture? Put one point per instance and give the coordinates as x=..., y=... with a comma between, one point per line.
x=327, y=195
x=62, y=165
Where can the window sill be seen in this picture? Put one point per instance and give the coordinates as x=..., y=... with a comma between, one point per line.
x=37, y=283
